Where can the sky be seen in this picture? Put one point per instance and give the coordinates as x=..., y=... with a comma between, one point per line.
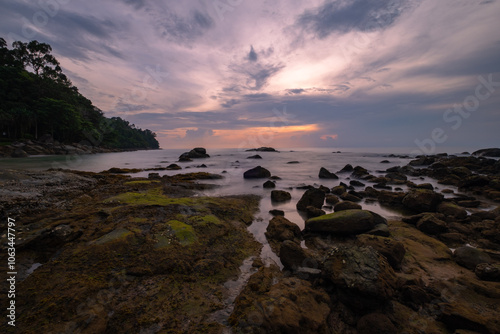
x=239, y=73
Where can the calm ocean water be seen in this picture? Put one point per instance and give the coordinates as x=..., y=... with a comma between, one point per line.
x=235, y=162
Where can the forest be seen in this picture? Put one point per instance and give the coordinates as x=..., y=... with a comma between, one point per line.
x=37, y=98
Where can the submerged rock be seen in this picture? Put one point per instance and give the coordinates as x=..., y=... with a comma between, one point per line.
x=269, y=184
x=262, y=149
x=488, y=152
x=254, y=157
x=195, y=153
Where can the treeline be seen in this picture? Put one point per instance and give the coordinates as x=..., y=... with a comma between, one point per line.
x=36, y=98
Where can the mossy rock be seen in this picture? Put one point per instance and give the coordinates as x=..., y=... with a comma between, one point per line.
x=184, y=232
x=118, y=234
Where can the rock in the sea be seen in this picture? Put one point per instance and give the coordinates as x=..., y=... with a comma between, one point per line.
x=276, y=212
x=346, y=205
x=312, y=212
x=331, y=199
x=280, y=196
x=254, y=157
x=488, y=272
x=313, y=197
x=154, y=176
x=348, y=196
x=195, y=153
x=292, y=255
x=257, y=173
x=173, y=167
x=488, y=152
x=281, y=229
x=326, y=174
x=470, y=257
x=347, y=168
x=394, y=251
x=362, y=274
x=262, y=149
x=345, y=222
x=356, y=183
x=422, y=200
x=269, y=184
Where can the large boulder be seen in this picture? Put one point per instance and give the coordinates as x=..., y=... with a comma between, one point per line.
x=422, y=200
x=470, y=257
x=195, y=153
x=488, y=152
x=281, y=229
x=326, y=174
x=363, y=277
x=345, y=222
x=257, y=173
x=293, y=256
x=312, y=197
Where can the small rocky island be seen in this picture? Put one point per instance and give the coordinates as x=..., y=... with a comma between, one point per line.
x=115, y=253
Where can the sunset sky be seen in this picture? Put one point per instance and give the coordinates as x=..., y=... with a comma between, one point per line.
x=234, y=73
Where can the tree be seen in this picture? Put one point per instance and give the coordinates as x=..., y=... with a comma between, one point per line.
x=36, y=55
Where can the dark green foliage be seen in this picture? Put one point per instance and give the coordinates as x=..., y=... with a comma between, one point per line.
x=43, y=101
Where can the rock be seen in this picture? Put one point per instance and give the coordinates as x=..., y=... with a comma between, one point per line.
x=312, y=197
x=195, y=153
x=422, y=200
x=254, y=157
x=331, y=199
x=469, y=203
x=347, y=196
x=393, y=199
x=276, y=212
x=154, y=176
x=396, y=176
x=456, y=316
x=427, y=186
x=312, y=212
x=385, y=162
x=380, y=230
x=339, y=190
x=470, y=257
x=488, y=272
x=257, y=173
x=488, y=152
x=375, y=323
x=202, y=166
x=173, y=167
x=431, y=225
x=452, y=239
x=347, y=168
x=414, y=296
x=392, y=250
x=269, y=184
x=423, y=161
x=453, y=210
x=262, y=149
x=293, y=162
x=280, y=196
x=356, y=183
x=292, y=255
x=281, y=229
x=345, y=222
x=365, y=276
x=326, y=174
x=346, y=205
x=359, y=172
x=19, y=153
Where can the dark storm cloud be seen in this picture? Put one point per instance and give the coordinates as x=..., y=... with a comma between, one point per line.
x=343, y=16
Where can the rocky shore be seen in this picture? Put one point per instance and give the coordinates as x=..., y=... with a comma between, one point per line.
x=114, y=253
x=46, y=145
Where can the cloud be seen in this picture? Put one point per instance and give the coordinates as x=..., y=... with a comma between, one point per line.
x=252, y=55
x=198, y=133
x=343, y=16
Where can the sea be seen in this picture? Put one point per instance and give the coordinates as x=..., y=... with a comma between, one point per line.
x=232, y=163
